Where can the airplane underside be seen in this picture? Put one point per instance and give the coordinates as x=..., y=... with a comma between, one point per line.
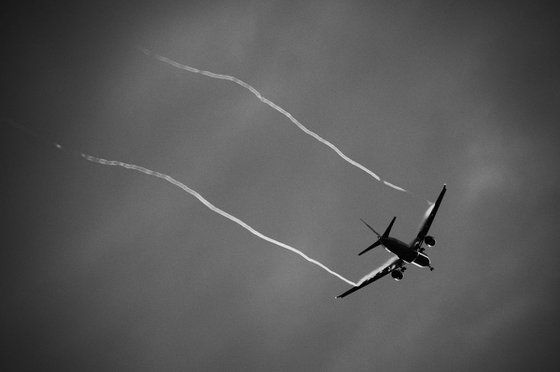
x=407, y=254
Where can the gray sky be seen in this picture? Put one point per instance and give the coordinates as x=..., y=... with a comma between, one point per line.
x=104, y=268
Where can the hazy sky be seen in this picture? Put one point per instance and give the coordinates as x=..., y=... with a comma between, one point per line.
x=105, y=268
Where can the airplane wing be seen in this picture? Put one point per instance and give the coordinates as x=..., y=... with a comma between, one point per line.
x=429, y=219
x=378, y=273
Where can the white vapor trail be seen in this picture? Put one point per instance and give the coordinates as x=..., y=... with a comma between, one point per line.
x=275, y=107
x=211, y=207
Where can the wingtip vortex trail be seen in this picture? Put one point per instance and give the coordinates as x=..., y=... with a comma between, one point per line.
x=213, y=208
x=275, y=107
x=185, y=188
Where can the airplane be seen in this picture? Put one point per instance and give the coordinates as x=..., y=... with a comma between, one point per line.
x=412, y=253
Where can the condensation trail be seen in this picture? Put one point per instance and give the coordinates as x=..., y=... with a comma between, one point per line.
x=379, y=269
x=211, y=207
x=275, y=107
x=182, y=186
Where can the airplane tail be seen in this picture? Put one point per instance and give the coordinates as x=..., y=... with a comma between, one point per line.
x=371, y=228
x=377, y=243
x=379, y=237
x=388, y=231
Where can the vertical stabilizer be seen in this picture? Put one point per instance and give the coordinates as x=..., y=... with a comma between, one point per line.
x=388, y=231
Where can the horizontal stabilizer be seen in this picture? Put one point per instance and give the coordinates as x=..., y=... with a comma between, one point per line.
x=371, y=228
x=370, y=247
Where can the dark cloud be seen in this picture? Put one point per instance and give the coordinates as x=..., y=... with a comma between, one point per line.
x=104, y=268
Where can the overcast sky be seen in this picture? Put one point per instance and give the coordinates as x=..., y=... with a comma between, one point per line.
x=104, y=268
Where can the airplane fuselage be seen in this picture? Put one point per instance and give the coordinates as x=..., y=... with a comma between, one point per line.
x=406, y=252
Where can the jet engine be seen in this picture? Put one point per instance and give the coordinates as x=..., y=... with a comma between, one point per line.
x=397, y=275
x=430, y=241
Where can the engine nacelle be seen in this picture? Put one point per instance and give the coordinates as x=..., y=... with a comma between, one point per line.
x=430, y=241
x=397, y=275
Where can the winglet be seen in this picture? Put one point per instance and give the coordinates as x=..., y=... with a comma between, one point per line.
x=351, y=290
